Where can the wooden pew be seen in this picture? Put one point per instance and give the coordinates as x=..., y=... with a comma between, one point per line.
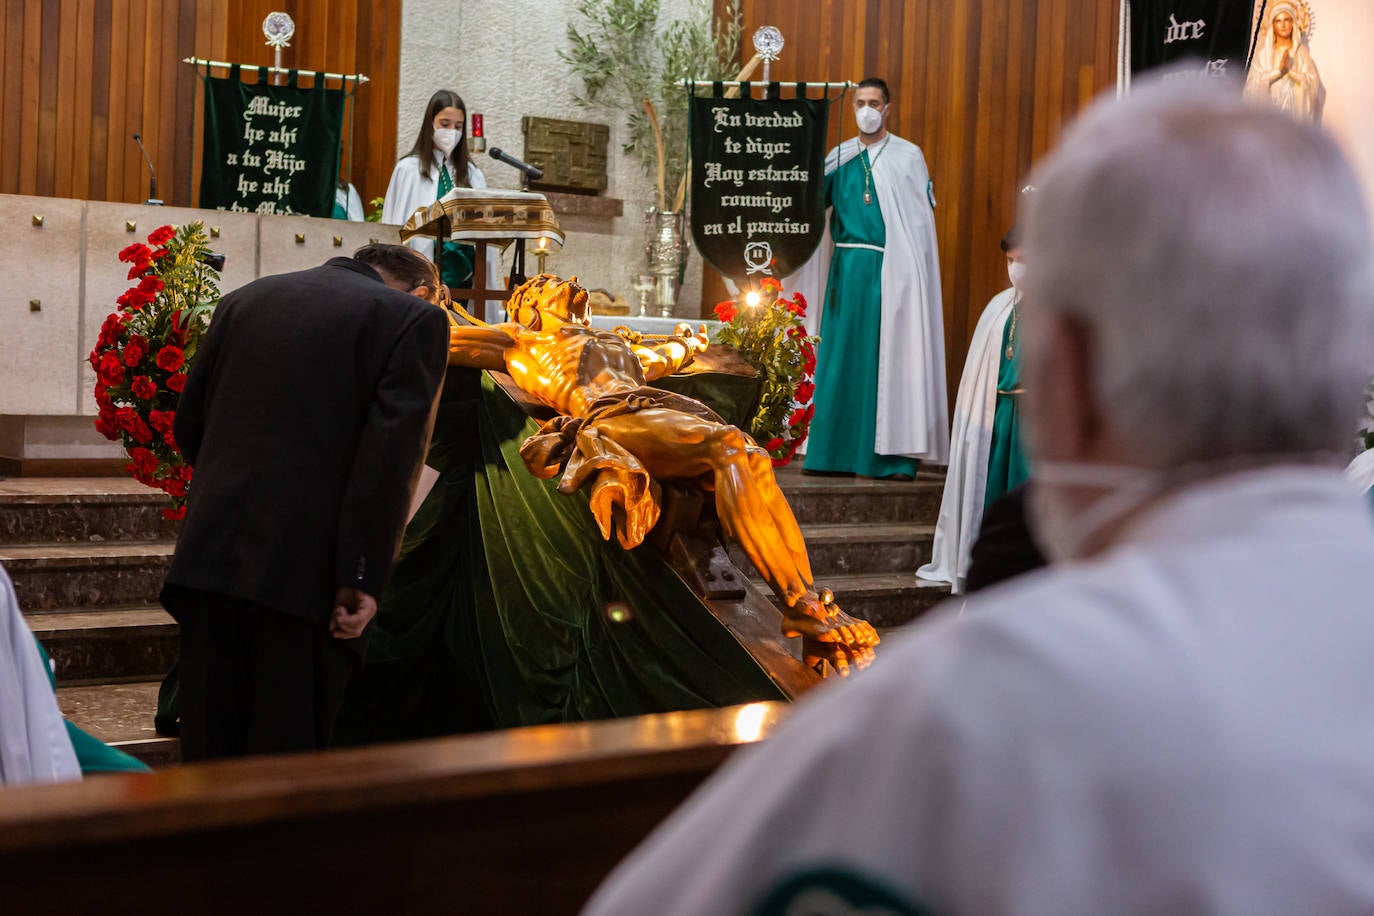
x=523, y=821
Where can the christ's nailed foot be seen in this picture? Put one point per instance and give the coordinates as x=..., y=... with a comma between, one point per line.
x=829, y=634
x=843, y=658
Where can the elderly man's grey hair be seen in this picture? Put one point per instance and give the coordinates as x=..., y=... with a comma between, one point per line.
x=1216, y=255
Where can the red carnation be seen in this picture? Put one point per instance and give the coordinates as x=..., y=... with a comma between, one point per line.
x=161, y=235
x=162, y=420
x=102, y=397
x=774, y=444
x=135, y=350
x=109, y=331
x=140, y=431
x=805, y=391
x=150, y=284
x=143, y=387
x=137, y=253
x=800, y=300
x=170, y=359
x=109, y=371
x=808, y=358
x=177, y=382
x=174, y=487
x=105, y=425
x=144, y=462
x=169, y=439
x=160, y=253
x=726, y=311
x=798, y=417
x=770, y=283
x=174, y=515
x=139, y=269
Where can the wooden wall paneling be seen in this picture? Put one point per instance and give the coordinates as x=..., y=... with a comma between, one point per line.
x=64, y=109
x=96, y=162
x=49, y=22
x=117, y=91
x=130, y=159
x=11, y=127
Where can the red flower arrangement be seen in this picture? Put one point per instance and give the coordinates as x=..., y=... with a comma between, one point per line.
x=144, y=352
x=768, y=332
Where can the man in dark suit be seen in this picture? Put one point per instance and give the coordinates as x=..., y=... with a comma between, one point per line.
x=305, y=416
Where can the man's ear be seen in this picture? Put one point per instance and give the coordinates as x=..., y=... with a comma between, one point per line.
x=1065, y=417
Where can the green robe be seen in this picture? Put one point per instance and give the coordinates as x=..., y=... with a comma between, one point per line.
x=846, y=421
x=1007, y=465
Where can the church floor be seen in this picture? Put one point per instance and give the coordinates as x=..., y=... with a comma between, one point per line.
x=87, y=556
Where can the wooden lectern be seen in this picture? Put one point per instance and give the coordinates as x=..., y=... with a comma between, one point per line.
x=481, y=217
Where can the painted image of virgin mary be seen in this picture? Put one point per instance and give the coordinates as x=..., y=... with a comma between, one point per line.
x=1282, y=69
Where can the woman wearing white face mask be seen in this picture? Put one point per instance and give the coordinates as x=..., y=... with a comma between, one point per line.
x=435, y=165
x=986, y=456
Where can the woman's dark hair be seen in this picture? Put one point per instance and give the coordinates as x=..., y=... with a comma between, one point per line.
x=1012, y=239
x=424, y=142
x=402, y=263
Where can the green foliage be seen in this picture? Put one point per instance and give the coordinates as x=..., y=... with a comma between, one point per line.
x=375, y=216
x=623, y=56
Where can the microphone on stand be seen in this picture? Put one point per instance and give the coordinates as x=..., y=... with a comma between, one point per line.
x=152, y=175
x=533, y=173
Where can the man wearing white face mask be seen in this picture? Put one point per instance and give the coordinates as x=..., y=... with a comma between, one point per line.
x=986, y=456
x=880, y=368
x=1174, y=717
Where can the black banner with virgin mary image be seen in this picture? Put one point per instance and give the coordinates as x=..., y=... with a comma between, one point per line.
x=1214, y=33
x=758, y=191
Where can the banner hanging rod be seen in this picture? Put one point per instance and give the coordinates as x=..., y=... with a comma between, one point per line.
x=222, y=65
x=707, y=84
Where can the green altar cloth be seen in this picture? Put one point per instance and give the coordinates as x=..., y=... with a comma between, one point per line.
x=508, y=609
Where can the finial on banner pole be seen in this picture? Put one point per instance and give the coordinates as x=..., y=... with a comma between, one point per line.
x=278, y=28
x=768, y=42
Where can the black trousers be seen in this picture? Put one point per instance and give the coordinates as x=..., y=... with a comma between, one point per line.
x=255, y=680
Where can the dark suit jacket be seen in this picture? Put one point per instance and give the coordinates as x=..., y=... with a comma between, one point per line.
x=305, y=416
x=1005, y=547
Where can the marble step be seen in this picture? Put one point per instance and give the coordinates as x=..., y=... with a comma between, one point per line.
x=837, y=550
x=107, y=645
x=861, y=500
x=46, y=510
x=121, y=715
x=885, y=600
x=107, y=574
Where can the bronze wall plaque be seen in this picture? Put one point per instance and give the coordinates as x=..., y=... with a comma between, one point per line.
x=571, y=153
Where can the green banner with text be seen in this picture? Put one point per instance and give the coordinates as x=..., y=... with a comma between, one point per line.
x=271, y=149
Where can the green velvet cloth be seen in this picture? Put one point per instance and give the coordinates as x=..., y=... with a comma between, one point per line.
x=1008, y=466
x=507, y=608
x=845, y=425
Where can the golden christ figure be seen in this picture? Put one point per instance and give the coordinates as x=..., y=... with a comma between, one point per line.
x=618, y=436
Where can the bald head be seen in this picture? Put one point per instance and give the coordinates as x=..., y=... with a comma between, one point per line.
x=1206, y=263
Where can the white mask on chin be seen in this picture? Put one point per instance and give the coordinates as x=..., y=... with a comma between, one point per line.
x=446, y=139
x=1063, y=533
x=1016, y=273
x=869, y=119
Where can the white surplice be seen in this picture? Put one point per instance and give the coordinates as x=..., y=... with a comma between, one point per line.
x=961, y=507
x=1182, y=725
x=408, y=191
x=913, y=408
x=34, y=746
